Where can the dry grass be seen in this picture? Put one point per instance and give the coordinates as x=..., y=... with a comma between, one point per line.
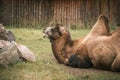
x=46, y=67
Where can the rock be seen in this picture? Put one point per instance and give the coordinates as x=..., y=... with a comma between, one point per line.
x=8, y=53
x=6, y=35
x=25, y=53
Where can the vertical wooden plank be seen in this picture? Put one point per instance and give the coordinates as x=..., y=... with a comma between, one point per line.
x=45, y=15
x=112, y=12
x=31, y=13
x=19, y=16
x=60, y=12
x=72, y=11
x=28, y=10
x=75, y=12
x=1, y=11
x=65, y=5
x=44, y=12
x=16, y=14
x=78, y=15
x=14, y=8
x=19, y=12
x=81, y=12
x=54, y=18
x=108, y=1
x=47, y=12
x=23, y=13
x=37, y=15
x=40, y=12
x=63, y=12
x=57, y=11
x=34, y=11
x=67, y=12
x=69, y=16
x=118, y=13
x=12, y=13
x=52, y=13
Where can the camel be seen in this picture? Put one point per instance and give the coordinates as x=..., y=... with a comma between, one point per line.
x=61, y=42
x=63, y=46
x=100, y=49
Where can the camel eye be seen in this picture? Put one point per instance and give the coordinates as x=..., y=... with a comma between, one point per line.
x=55, y=30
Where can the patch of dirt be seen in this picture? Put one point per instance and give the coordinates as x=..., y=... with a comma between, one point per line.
x=80, y=71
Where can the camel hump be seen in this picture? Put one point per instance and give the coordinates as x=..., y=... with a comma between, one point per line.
x=101, y=27
x=103, y=17
x=116, y=34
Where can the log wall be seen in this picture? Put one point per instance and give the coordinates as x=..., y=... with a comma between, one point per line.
x=71, y=13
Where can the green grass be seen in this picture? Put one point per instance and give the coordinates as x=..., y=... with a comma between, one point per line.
x=46, y=67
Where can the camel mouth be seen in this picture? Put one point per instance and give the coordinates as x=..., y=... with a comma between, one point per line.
x=47, y=32
x=45, y=36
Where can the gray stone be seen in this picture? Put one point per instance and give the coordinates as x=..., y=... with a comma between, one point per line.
x=8, y=53
x=25, y=53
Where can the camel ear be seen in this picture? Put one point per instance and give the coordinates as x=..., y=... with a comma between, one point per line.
x=59, y=27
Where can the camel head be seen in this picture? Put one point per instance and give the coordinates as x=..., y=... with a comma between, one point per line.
x=53, y=33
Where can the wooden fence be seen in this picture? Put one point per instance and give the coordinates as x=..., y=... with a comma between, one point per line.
x=71, y=13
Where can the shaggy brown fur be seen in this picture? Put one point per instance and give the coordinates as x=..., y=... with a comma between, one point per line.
x=101, y=48
x=104, y=51
x=62, y=44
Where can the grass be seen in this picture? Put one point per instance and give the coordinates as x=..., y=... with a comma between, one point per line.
x=46, y=67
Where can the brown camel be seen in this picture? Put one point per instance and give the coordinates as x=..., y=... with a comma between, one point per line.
x=102, y=50
x=62, y=44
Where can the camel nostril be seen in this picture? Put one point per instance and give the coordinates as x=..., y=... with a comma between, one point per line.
x=43, y=36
